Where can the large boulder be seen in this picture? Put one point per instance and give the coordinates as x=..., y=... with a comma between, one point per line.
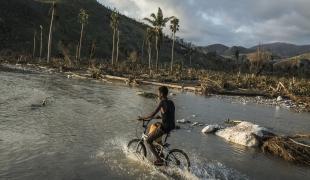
x=245, y=133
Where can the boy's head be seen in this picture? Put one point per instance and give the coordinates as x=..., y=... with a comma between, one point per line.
x=162, y=92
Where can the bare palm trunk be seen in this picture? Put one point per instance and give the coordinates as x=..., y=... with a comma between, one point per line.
x=150, y=55
x=172, y=53
x=190, y=60
x=117, y=47
x=41, y=42
x=92, y=51
x=113, y=49
x=80, y=44
x=142, y=50
x=76, y=53
x=50, y=35
x=156, y=53
x=34, y=44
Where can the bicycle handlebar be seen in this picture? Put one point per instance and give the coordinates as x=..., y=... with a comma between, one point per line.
x=145, y=124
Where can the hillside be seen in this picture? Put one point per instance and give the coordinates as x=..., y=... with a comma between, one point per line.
x=20, y=18
x=223, y=50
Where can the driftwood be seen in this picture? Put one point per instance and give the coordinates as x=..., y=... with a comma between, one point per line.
x=173, y=86
x=76, y=76
x=162, y=84
x=115, y=78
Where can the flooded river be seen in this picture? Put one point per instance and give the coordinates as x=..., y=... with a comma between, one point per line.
x=82, y=131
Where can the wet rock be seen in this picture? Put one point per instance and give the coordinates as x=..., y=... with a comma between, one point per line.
x=211, y=129
x=232, y=122
x=197, y=124
x=183, y=121
x=36, y=106
x=279, y=98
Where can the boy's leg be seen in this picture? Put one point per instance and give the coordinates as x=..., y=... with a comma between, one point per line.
x=149, y=141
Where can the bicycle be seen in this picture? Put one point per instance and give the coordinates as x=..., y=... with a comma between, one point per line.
x=172, y=158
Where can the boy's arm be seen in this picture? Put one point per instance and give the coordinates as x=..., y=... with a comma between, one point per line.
x=153, y=113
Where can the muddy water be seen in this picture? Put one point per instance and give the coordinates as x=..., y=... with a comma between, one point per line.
x=82, y=132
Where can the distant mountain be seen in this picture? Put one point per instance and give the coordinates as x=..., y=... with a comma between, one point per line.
x=232, y=50
x=283, y=50
x=223, y=50
x=218, y=48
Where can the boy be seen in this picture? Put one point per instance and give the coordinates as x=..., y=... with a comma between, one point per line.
x=167, y=109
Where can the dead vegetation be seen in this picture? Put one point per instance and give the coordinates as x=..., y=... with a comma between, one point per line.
x=288, y=148
x=200, y=81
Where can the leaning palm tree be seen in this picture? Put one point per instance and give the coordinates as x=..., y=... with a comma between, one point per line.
x=114, y=25
x=158, y=22
x=49, y=48
x=83, y=19
x=174, y=26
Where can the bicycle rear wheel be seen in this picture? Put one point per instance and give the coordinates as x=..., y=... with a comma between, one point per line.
x=178, y=158
x=137, y=146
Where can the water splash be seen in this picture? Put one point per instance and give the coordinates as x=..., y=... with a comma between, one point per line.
x=116, y=154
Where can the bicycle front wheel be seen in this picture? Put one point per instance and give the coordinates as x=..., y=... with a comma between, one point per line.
x=137, y=146
x=178, y=158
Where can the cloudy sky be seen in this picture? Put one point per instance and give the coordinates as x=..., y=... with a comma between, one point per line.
x=230, y=22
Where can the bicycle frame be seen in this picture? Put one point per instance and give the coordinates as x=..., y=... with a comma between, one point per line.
x=162, y=147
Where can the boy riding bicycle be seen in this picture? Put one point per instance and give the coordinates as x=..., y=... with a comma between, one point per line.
x=167, y=109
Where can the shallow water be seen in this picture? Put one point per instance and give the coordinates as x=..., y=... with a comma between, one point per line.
x=84, y=129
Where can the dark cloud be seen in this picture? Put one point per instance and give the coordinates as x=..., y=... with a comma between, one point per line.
x=231, y=22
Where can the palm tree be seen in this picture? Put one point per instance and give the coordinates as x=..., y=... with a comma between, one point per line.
x=174, y=26
x=114, y=25
x=150, y=36
x=83, y=19
x=49, y=48
x=41, y=37
x=34, y=44
x=142, y=47
x=117, y=47
x=190, y=52
x=158, y=22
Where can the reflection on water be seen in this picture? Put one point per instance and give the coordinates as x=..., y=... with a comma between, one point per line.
x=82, y=132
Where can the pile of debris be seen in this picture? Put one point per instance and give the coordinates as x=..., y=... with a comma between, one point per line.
x=252, y=135
x=288, y=148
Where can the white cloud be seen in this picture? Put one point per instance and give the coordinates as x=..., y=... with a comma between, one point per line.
x=231, y=22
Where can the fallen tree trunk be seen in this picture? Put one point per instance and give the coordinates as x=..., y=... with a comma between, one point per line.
x=115, y=78
x=173, y=86
x=162, y=84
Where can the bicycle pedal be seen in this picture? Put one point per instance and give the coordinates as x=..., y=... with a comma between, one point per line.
x=166, y=145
